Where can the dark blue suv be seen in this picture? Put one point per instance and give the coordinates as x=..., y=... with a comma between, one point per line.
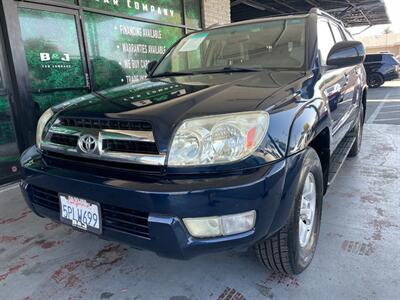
x=380, y=68
x=231, y=142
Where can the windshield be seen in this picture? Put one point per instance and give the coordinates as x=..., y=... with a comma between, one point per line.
x=267, y=45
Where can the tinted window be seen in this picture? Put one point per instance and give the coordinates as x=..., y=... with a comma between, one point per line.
x=390, y=59
x=272, y=44
x=373, y=58
x=336, y=33
x=325, y=40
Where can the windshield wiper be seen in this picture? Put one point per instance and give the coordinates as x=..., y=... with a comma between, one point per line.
x=211, y=71
x=166, y=74
x=230, y=70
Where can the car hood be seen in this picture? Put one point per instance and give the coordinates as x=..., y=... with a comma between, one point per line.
x=167, y=101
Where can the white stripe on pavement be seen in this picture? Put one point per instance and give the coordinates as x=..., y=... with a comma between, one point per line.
x=8, y=187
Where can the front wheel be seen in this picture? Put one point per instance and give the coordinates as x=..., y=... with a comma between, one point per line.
x=291, y=249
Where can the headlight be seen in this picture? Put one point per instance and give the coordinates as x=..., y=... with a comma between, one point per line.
x=44, y=119
x=218, y=139
x=222, y=225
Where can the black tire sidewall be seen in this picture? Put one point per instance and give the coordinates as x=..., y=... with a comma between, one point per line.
x=301, y=257
x=377, y=75
x=360, y=127
x=356, y=131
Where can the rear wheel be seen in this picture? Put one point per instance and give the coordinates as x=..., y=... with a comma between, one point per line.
x=291, y=249
x=375, y=80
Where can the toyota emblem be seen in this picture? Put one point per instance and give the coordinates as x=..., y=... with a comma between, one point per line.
x=87, y=143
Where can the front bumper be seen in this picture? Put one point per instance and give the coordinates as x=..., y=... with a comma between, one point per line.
x=166, y=201
x=392, y=75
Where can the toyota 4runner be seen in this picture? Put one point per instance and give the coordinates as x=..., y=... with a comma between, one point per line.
x=231, y=142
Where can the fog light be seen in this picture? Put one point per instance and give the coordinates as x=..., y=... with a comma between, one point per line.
x=222, y=225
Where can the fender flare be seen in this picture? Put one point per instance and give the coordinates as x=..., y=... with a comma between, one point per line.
x=307, y=124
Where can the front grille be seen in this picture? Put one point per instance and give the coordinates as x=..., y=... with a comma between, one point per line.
x=100, y=167
x=125, y=146
x=117, y=218
x=64, y=139
x=105, y=123
x=130, y=146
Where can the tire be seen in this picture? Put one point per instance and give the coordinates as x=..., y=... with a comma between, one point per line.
x=358, y=132
x=375, y=80
x=283, y=252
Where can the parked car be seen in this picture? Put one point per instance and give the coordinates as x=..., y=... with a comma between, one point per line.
x=231, y=142
x=380, y=68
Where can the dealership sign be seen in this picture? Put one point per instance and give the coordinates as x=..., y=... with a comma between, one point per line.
x=169, y=11
x=140, y=7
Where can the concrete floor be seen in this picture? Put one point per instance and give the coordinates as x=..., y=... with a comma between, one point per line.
x=357, y=256
x=384, y=104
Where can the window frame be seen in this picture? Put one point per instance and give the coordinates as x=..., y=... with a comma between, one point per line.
x=333, y=24
x=328, y=21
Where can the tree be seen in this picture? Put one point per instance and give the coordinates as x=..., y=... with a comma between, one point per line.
x=386, y=32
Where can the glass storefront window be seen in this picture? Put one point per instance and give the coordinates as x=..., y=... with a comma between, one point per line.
x=53, y=56
x=52, y=49
x=193, y=13
x=120, y=49
x=168, y=11
x=9, y=154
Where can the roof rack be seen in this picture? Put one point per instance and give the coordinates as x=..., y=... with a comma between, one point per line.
x=318, y=11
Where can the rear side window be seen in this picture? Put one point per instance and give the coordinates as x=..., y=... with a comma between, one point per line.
x=373, y=58
x=325, y=40
x=390, y=59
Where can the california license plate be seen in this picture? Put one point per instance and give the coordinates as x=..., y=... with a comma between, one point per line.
x=80, y=213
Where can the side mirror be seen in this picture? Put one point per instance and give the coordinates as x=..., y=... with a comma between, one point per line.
x=346, y=54
x=150, y=66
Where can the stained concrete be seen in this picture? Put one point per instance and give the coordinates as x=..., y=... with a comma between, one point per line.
x=357, y=256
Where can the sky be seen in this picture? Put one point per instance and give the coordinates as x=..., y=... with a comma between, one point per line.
x=393, y=9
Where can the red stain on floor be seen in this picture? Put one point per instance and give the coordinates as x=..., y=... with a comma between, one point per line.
x=52, y=226
x=48, y=244
x=68, y=274
x=9, y=238
x=72, y=280
x=23, y=214
x=51, y=244
x=11, y=270
x=65, y=274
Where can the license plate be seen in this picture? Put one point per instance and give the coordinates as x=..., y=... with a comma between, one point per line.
x=80, y=213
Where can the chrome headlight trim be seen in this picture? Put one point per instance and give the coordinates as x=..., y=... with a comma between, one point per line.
x=41, y=125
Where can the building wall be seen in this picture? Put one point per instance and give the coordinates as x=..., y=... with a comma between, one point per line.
x=216, y=12
x=382, y=43
x=393, y=49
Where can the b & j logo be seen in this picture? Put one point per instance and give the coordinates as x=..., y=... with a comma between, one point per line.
x=55, y=60
x=54, y=56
